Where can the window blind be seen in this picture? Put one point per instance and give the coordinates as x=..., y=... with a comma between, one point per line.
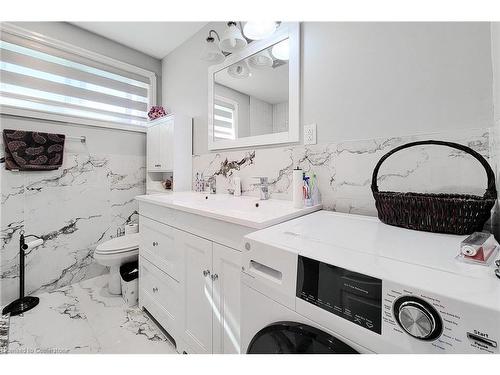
x=225, y=118
x=47, y=79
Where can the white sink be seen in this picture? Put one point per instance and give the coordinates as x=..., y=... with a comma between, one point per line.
x=247, y=211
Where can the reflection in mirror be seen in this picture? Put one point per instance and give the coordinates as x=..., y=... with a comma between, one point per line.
x=251, y=96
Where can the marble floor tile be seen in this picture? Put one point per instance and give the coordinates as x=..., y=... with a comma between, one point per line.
x=4, y=333
x=85, y=318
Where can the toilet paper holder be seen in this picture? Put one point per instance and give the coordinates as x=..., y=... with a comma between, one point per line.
x=23, y=303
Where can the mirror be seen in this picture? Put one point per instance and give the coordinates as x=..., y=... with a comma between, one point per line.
x=253, y=96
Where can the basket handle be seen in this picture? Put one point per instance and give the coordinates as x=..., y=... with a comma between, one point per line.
x=491, y=191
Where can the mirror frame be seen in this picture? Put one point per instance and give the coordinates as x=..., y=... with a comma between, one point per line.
x=286, y=30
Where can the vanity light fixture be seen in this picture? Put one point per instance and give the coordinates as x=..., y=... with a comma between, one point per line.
x=237, y=38
x=261, y=60
x=232, y=40
x=281, y=51
x=212, y=51
x=257, y=30
x=239, y=70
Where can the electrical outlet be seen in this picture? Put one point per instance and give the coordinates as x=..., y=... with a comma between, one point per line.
x=310, y=134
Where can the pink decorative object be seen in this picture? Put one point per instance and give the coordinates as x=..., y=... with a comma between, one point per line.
x=156, y=111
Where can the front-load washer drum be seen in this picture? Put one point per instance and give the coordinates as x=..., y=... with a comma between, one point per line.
x=296, y=338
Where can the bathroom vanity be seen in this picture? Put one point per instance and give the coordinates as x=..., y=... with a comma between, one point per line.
x=190, y=261
x=191, y=243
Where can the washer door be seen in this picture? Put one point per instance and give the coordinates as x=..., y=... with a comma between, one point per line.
x=296, y=338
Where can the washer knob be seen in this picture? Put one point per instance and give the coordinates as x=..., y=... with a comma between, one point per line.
x=418, y=318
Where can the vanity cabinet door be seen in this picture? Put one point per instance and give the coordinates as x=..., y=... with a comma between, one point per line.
x=198, y=304
x=158, y=244
x=160, y=295
x=153, y=147
x=160, y=144
x=226, y=296
x=166, y=148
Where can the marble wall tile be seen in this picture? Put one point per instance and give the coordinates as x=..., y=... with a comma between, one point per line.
x=73, y=209
x=495, y=157
x=344, y=169
x=82, y=203
x=127, y=179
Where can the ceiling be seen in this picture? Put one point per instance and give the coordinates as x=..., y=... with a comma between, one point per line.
x=156, y=39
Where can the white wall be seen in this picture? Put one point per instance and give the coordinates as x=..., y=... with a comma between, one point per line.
x=243, y=101
x=185, y=83
x=495, y=57
x=99, y=140
x=362, y=80
x=85, y=39
x=261, y=116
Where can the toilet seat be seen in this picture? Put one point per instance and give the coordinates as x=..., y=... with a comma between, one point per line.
x=113, y=254
x=118, y=245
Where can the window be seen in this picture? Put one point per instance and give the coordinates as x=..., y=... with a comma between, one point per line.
x=44, y=77
x=225, y=118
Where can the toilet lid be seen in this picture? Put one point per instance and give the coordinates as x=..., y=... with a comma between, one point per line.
x=119, y=244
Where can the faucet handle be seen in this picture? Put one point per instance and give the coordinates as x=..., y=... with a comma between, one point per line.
x=263, y=180
x=211, y=183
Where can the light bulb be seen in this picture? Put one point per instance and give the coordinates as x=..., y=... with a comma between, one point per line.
x=232, y=40
x=239, y=70
x=281, y=51
x=260, y=29
x=261, y=60
x=212, y=52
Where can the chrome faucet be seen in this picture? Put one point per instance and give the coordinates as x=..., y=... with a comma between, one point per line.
x=264, y=188
x=211, y=183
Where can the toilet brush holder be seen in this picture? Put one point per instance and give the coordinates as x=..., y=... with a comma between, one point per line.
x=23, y=303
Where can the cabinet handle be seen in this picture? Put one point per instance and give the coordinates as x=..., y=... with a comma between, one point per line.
x=155, y=289
x=155, y=243
x=206, y=273
x=214, y=277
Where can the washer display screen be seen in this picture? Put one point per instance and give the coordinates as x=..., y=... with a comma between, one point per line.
x=347, y=294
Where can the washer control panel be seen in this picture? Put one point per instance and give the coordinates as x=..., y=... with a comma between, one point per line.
x=422, y=322
x=418, y=318
x=349, y=295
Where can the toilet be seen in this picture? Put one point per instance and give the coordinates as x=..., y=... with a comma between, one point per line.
x=113, y=254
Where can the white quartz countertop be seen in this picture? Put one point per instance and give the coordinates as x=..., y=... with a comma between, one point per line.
x=247, y=211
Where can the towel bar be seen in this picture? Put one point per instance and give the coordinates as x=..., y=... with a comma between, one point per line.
x=82, y=139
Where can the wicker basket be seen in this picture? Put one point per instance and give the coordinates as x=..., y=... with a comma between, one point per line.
x=440, y=213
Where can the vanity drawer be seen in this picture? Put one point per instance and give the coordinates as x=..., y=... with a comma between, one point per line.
x=158, y=245
x=161, y=296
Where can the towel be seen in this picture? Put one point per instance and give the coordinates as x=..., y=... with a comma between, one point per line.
x=32, y=151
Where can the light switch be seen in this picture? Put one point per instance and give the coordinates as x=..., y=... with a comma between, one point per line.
x=310, y=134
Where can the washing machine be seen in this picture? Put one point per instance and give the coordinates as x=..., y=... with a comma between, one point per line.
x=337, y=283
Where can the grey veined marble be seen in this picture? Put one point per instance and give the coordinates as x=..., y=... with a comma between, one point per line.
x=73, y=209
x=344, y=169
x=85, y=318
